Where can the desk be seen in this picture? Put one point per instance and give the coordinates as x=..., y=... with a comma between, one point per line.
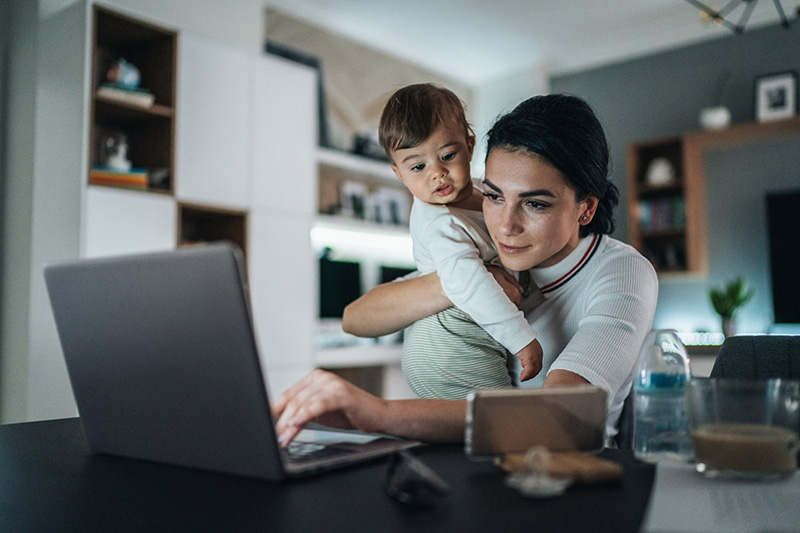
x=50, y=482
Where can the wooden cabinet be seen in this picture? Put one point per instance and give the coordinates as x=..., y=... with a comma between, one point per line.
x=135, y=124
x=667, y=216
x=666, y=207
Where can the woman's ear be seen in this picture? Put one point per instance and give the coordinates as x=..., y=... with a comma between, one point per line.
x=589, y=207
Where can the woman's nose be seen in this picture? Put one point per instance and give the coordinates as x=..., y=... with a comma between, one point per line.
x=509, y=222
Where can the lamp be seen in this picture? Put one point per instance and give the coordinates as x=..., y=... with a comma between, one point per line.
x=722, y=15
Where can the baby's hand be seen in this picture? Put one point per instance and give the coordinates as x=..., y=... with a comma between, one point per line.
x=531, y=359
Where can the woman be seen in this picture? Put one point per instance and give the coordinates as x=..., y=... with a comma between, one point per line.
x=548, y=208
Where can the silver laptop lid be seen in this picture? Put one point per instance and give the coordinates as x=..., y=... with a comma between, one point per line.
x=162, y=359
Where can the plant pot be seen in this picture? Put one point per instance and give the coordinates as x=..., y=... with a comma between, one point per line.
x=729, y=327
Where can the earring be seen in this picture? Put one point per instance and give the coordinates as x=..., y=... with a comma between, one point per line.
x=584, y=218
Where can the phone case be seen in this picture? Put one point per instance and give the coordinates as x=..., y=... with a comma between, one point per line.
x=504, y=421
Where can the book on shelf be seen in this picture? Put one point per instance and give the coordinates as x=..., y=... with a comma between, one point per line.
x=113, y=91
x=662, y=214
x=134, y=178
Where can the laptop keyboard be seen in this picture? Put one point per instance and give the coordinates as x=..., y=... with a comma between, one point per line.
x=309, y=451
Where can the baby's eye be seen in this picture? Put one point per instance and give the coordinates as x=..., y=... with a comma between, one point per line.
x=448, y=157
x=418, y=167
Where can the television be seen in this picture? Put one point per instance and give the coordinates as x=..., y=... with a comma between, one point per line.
x=339, y=284
x=784, y=255
x=391, y=273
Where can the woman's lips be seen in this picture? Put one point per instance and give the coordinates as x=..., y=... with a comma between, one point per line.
x=444, y=190
x=511, y=250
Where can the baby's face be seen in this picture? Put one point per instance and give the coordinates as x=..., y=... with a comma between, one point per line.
x=437, y=170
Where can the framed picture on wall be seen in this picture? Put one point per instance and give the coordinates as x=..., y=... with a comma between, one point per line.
x=776, y=96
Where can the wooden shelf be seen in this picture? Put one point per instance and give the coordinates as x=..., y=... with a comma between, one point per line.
x=746, y=133
x=673, y=233
x=649, y=191
x=684, y=250
x=110, y=109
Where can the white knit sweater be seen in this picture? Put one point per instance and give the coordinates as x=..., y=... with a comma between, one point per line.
x=592, y=312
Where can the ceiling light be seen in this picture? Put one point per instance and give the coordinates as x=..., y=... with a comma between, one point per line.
x=745, y=8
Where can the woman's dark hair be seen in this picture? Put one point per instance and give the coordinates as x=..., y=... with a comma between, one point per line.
x=564, y=131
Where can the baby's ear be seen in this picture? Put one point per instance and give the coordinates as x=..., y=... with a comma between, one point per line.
x=470, y=144
x=396, y=171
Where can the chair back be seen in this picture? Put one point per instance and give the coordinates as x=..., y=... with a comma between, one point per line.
x=758, y=357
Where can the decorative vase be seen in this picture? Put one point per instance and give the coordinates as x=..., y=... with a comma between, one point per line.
x=715, y=118
x=729, y=327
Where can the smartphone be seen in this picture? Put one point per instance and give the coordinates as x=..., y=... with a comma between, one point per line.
x=504, y=421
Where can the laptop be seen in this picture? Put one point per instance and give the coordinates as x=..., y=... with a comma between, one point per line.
x=162, y=358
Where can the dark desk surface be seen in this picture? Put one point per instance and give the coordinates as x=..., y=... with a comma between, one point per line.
x=50, y=482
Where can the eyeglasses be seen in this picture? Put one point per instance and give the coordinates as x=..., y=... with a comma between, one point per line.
x=410, y=481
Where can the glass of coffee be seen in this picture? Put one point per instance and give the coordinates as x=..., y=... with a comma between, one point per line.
x=744, y=428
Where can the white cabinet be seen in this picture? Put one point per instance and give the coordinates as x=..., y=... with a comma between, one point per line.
x=283, y=288
x=213, y=123
x=284, y=136
x=121, y=222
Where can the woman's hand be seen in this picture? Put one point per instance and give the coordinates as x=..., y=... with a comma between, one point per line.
x=508, y=283
x=326, y=398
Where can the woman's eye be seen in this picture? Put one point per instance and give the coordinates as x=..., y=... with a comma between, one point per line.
x=536, y=204
x=492, y=197
x=448, y=157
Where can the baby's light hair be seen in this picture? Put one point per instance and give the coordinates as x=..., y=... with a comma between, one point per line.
x=413, y=113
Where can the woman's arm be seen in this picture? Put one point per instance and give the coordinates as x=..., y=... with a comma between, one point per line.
x=328, y=399
x=393, y=306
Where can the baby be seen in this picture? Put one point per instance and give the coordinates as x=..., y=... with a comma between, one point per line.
x=426, y=135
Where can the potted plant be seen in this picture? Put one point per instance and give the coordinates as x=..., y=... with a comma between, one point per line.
x=727, y=300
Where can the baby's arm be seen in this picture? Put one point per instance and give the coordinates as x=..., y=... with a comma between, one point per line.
x=469, y=285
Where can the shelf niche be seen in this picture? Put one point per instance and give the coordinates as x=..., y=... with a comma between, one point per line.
x=683, y=246
x=199, y=224
x=150, y=130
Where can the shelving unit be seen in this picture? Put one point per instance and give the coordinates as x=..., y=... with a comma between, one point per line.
x=375, y=366
x=675, y=239
x=200, y=224
x=659, y=213
x=150, y=130
x=336, y=167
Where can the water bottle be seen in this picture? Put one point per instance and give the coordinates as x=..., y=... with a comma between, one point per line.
x=660, y=419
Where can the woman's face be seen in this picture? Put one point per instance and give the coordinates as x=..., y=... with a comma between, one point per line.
x=530, y=210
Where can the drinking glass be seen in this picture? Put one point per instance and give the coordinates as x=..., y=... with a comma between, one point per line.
x=744, y=428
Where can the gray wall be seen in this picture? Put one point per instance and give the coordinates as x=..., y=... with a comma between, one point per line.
x=17, y=194
x=662, y=95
